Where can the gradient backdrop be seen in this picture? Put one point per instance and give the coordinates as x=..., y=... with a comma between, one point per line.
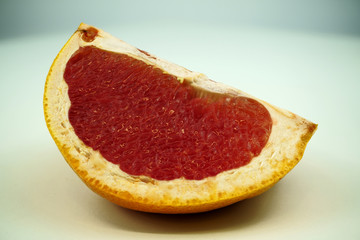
x=303, y=56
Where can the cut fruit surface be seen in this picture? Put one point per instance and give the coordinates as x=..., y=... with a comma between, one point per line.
x=152, y=136
x=150, y=124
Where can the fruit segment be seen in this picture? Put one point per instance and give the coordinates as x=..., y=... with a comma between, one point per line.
x=151, y=124
x=153, y=136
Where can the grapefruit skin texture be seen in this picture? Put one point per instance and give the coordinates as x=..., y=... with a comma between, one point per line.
x=284, y=149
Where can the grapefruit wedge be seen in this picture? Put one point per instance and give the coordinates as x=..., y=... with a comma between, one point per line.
x=152, y=136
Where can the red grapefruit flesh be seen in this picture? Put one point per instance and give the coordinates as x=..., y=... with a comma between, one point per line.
x=150, y=124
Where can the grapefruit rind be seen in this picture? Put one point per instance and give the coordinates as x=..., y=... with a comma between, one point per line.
x=284, y=149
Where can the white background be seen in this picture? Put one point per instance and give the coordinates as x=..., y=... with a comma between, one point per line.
x=303, y=56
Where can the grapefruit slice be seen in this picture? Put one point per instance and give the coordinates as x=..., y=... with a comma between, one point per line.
x=152, y=136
